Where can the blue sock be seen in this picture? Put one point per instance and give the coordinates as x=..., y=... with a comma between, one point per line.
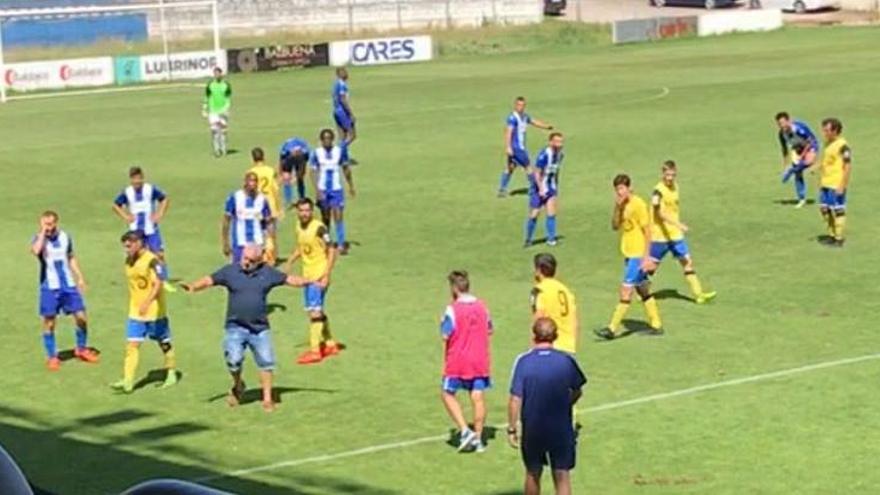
x=551, y=228
x=787, y=174
x=162, y=271
x=530, y=228
x=49, y=344
x=340, y=233
x=505, y=180
x=81, y=338
x=301, y=188
x=800, y=186
x=288, y=193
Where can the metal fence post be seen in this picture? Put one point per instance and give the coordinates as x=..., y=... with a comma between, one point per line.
x=448, y=15
x=495, y=11
x=399, y=18
x=350, y=17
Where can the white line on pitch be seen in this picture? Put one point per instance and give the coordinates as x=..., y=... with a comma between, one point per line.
x=602, y=407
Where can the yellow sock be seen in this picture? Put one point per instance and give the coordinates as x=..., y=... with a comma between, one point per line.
x=617, y=316
x=132, y=355
x=829, y=221
x=170, y=360
x=839, y=225
x=653, y=313
x=694, y=283
x=326, y=336
x=315, y=331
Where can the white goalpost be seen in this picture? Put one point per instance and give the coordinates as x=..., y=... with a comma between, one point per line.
x=195, y=23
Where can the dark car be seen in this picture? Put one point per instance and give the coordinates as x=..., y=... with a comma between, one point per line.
x=554, y=7
x=708, y=4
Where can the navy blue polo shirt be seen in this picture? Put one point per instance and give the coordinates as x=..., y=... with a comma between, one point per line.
x=544, y=379
x=246, y=305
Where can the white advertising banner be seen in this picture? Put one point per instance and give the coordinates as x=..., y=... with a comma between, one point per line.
x=58, y=74
x=713, y=23
x=382, y=51
x=187, y=65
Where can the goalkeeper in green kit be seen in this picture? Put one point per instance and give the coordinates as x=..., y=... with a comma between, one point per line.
x=218, y=98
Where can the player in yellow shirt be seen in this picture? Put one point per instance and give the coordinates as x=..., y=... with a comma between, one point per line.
x=667, y=231
x=633, y=220
x=552, y=299
x=267, y=183
x=318, y=256
x=147, y=317
x=834, y=175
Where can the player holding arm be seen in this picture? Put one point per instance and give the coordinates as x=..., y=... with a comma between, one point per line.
x=515, y=141
x=218, y=100
x=799, y=151
x=267, y=183
x=292, y=159
x=342, y=112
x=329, y=164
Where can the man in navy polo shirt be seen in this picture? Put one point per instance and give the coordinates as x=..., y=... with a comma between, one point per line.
x=546, y=384
x=247, y=316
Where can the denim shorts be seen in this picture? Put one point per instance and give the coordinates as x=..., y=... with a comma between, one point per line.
x=239, y=338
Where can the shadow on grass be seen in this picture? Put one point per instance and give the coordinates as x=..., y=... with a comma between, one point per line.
x=664, y=294
x=273, y=307
x=522, y=191
x=543, y=240
x=792, y=202
x=111, y=462
x=489, y=433
x=155, y=376
x=68, y=354
x=252, y=395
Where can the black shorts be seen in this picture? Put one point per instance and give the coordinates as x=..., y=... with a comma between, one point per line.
x=291, y=164
x=539, y=451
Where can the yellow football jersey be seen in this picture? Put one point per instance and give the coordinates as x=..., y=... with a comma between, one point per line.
x=312, y=241
x=142, y=275
x=551, y=298
x=632, y=235
x=666, y=199
x=835, y=155
x=267, y=178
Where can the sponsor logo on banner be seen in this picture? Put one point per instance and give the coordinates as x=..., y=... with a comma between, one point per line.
x=382, y=51
x=190, y=65
x=278, y=57
x=127, y=69
x=59, y=74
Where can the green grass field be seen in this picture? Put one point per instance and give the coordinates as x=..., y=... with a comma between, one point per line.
x=430, y=145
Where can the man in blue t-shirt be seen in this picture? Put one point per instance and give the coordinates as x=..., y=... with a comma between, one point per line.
x=546, y=384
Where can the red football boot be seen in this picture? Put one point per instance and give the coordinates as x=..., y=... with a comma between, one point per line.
x=330, y=350
x=86, y=355
x=310, y=357
x=53, y=364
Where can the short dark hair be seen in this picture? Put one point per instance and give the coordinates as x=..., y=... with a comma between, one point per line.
x=132, y=235
x=250, y=175
x=520, y=98
x=670, y=164
x=544, y=330
x=834, y=123
x=257, y=154
x=305, y=201
x=622, y=179
x=49, y=214
x=555, y=134
x=459, y=279
x=782, y=115
x=135, y=171
x=545, y=263
x=326, y=132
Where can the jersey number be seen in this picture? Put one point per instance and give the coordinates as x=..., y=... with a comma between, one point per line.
x=264, y=185
x=563, y=303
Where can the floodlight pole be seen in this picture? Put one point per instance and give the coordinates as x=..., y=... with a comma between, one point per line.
x=164, y=29
x=2, y=66
x=215, y=19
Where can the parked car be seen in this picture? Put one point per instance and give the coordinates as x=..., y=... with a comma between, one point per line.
x=709, y=4
x=554, y=7
x=800, y=6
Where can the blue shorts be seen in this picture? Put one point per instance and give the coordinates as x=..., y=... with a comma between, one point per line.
x=632, y=272
x=678, y=248
x=536, y=200
x=519, y=157
x=538, y=451
x=333, y=199
x=313, y=297
x=239, y=338
x=343, y=120
x=154, y=242
x=452, y=385
x=68, y=301
x=138, y=331
x=828, y=198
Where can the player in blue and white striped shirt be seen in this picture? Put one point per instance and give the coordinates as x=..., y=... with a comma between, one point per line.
x=544, y=188
x=247, y=219
x=515, y=141
x=143, y=205
x=330, y=164
x=61, y=283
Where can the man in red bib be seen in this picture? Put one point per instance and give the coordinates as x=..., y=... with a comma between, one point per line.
x=466, y=328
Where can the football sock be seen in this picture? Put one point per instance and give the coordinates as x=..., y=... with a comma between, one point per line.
x=505, y=180
x=829, y=221
x=839, y=225
x=162, y=271
x=617, y=316
x=301, y=188
x=49, y=344
x=132, y=356
x=326, y=336
x=223, y=142
x=551, y=228
x=340, y=233
x=170, y=358
x=81, y=337
x=787, y=174
x=693, y=282
x=530, y=228
x=800, y=186
x=215, y=141
x=653, y=312
x=288, y=192
x=316, y=327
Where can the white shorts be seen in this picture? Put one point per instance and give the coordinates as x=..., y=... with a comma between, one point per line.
x=218, y=119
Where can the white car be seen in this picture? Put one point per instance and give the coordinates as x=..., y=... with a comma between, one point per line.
x=800, y=6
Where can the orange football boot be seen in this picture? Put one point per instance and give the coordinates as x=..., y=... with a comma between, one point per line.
x=86, y=355
x=310, y=357
x=54, y=364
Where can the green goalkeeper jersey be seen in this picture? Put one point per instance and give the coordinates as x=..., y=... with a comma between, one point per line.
x=218, y=96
